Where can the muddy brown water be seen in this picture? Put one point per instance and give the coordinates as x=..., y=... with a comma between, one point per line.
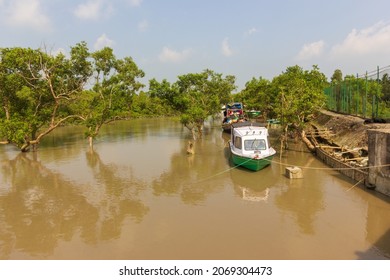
x=138, y=195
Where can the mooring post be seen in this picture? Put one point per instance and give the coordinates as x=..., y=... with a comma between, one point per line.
x=294, y=172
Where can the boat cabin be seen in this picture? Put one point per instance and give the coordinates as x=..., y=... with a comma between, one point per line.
x=250, y=138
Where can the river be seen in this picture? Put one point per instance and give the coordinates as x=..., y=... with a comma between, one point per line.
x=138, y=195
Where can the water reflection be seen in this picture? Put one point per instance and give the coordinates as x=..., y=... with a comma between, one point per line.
x=119, y=196
x=41, y=207
x=193, y=177
x=253, y=186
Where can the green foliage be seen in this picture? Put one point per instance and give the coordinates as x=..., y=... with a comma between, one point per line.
x=337, y=77
x=20, y=81
x=144, y=105
x=14, y=130
x=36, y=90
x=360, y=96
x=115, y=84
x=39, y=91
x=255, y=96
x=163, y=90
x=300, y=95
x=195, y=97
x=386, y=87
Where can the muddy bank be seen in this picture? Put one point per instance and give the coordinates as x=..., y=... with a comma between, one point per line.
x=346, y=131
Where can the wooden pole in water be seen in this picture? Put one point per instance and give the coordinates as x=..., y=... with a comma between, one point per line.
x=190, y=148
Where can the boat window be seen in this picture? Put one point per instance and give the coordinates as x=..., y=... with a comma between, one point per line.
x=255, y=144
x=237, y=142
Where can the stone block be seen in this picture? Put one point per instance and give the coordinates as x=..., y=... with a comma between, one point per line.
x=294, y=172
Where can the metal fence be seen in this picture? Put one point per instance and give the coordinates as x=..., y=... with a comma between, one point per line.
x=366, y=95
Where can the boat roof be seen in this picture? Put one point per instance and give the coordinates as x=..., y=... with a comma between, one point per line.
x=234, y=105
x=249, y=124
x=243, y=129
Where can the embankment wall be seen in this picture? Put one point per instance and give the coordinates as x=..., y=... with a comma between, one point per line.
x=379, y=160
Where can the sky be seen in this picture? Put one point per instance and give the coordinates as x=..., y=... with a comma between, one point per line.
x=244, y=38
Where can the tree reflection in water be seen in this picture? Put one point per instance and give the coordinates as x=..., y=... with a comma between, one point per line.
x=41, y=207
x=189, y=175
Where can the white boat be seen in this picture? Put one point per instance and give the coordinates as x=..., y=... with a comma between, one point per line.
x=249, y=146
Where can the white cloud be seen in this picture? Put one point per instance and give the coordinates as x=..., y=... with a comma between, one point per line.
x=226, y=50
x=169, y=55
x=372, y=40
x=26, y=13
x=311, y=50
x=135, y=3
x=103, y=41
x=361, y=50
x=89, y=10
x=93, y=10
x=143, y=25
x=251, y=31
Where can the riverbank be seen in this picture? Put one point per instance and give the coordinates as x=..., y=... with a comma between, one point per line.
x=357, y=148
x=346, y=131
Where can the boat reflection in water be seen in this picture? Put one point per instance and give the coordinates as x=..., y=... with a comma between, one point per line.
x=253, y=186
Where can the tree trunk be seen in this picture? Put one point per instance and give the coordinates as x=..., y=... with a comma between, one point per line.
x=264, y=116
x=281, y=148
x=308, y=143
x=283, y=141
x=192, y=129
x=36, y=140
x=7, y=114
x=90, y=140
x=6, y=107
x=200, y=130
x=193, y=132
x=25, y=147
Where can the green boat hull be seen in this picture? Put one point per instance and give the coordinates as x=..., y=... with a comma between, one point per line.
x=252, y=164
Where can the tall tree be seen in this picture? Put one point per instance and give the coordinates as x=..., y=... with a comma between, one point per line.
x=114, y=84
x=42, y=87
x=301, y=95
x=10, y=80
x=256, y=96
x=143, y=104
x=166, y=94
x=198, y=96
x=386, y=87
x=336, y=80
x=337, y=77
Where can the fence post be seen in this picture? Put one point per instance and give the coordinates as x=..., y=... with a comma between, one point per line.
x=357, y=95
x=373, y=102
x=365, y=99
x=377, y=93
